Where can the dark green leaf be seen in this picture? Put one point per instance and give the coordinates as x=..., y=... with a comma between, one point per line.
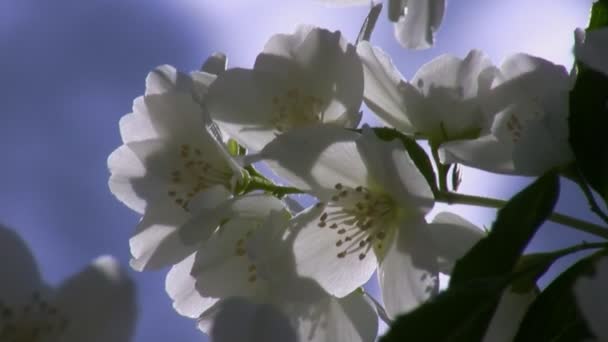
x=418, y=155
x=589, y=116
x=554, y=315
x=599, y=15
x=516, y=223
x=460, y=314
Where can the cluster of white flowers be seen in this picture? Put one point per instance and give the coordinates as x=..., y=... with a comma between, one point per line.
x=245, y=264
x=96, y=305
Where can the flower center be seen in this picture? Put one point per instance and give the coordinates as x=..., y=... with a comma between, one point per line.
x=521, y=116
x=295, y=109
x=240, y=250
x=36, y=321
x=360, y=218
x=194, y=175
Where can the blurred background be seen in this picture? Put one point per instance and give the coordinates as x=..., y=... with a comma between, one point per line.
x=70, y=69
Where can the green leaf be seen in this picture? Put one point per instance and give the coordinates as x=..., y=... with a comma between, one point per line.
x=589, y=116
x=417, y=153
x=516, y=223
x=458, y=314
x=599, y=15
x=554, y=315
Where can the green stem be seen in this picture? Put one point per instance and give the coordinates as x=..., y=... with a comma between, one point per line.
x=259, y=183
x=569, y=221
x=442, y=170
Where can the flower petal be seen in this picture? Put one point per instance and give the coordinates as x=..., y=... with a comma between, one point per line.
x=453, y=237
x=316, y=255
x=166, y=78
x=391, y=168
x=416, y=28
x=351, y=318
x=99, y=303
x=211, y=215
x=223, y=268
x=180, y=287
x=256, y=322
x=215, y=64
x=323, y=151
x=385, y=88
x=19, y=270
x=458, y=84
x=485, y=153
x=156, y=242
x=408, y=275
x=248, y=117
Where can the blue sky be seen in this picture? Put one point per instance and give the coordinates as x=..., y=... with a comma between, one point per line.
x=70, y=69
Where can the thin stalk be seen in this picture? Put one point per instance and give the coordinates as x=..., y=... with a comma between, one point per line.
x=565, y=220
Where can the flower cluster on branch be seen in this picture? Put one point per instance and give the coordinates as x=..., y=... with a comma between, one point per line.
x=248, y=265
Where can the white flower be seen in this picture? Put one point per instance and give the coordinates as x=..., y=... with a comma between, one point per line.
x=442, y=102
x=170, y=165
x=590, y=293
x=591, y=48
x=529, y=134
x=371, y=214
x=310, y=77
x=416, y=21
x=251, y=259
x=96, y=305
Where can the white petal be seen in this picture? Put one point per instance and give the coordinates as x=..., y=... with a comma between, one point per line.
x=593, y=52
x=281, y=47
x=391, y=168
x=135, y=127
x=180, y=287
x=510, y=311
x=384, y=87
x=173, y=172
x=99, y=303
x=320, y=63
x=156, y=242
x=215, y=64
x=166, y=78
x=237, y=319
x=318, y=166
x=316, y=255
x=453, y=237
x=172, y=114
x=212, y=214
x=247, y=117
x=408, y=275
x=332, y=70
x=525, y=77
x=223, y=268
x=18, y=268
x=590, y=294
x=485, y=153
x=201, y=81
x=449, y=82
x=542, y=147
x=349, y=319
x=416, y=29
x=124, y=167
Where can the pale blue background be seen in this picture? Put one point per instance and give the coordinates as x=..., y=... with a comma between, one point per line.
x=69, y=69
